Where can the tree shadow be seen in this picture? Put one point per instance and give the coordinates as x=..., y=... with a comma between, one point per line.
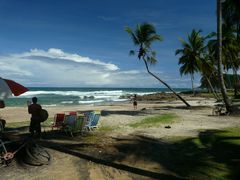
x=168, y=107
x=210, y=155
x=122, y=112
x=181, y=158
x=71, y=150
x=12, y=129
x=223, y=149
x=187, y=158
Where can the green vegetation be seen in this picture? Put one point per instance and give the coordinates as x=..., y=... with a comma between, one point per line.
x=90, y=138
x=26, y=123
x=17, y=124
x=48, y=122
x=105, y=129
x=221, y=50
x=214, y=154
x=191, y=53
x=155, y=121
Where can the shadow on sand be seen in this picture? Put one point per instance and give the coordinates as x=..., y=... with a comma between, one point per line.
x=209, y=155
x=202, y=157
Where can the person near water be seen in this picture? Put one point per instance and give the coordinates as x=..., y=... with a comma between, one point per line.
x=135, y=101
x=35, y=123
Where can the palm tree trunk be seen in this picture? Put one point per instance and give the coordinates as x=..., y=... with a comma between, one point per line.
x=236, y=80
x=211, y=87
x=193, y=90
x=185, y=102
x=220, y=71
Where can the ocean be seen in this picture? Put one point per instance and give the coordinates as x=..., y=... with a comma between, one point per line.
x=49, y=96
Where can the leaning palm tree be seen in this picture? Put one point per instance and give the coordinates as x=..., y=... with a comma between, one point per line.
x=191, y=53
x=208, y=71
x=143, y=36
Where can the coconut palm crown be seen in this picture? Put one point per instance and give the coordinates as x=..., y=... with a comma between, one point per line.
x=143, y=36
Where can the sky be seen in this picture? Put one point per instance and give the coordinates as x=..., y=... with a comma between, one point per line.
x=82, y=43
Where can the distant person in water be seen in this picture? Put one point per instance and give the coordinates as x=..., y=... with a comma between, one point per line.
x=35, y=110
x=134, y=101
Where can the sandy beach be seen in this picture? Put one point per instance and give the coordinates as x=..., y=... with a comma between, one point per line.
x=94, y=158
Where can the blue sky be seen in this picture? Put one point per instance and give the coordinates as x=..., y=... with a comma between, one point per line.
x=83, y=43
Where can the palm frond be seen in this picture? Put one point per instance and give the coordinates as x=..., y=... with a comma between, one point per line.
x=179, y=51
x=133, y=36
x=153, y=53
x=151, y=60
x=131, y=52
x=154, y=37
x=143, y=36
x=210, y=35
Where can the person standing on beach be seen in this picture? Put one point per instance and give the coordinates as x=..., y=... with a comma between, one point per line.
x=135, y=101
x=35, y=124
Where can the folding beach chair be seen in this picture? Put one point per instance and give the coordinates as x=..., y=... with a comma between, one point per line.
x=73, y=124
x=58, y=121
x=92, y=119
x=88, y=119
x=72, y=113
x=96, y=119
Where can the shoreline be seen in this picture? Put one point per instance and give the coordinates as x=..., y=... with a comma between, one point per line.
x=101, y=97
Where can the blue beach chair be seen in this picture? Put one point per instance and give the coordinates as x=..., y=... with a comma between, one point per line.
x=73, y=124
x=95, y=120
x=92, y=119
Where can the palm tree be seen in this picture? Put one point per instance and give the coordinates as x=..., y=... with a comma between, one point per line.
x=143, y=36
x=220, y=73
x=208, y=71
x=231, y=17
x=190, y=54
x=231, y=14
x=230, y=48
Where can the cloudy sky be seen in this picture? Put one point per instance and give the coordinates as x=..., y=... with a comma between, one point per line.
x=81, y=43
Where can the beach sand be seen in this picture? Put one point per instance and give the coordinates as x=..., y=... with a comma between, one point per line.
x=100, y=157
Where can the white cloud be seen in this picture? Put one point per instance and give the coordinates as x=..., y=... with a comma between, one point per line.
x=10, y=68
x=55, y=67
x=59, y=54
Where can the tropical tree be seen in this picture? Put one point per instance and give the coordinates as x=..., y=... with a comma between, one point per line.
x=195, y=57
x=220, y=72
x=191, y=53
x=230, y=48
x=143, y=37
x=231, y=17
x=231, y=14
x=208, y=71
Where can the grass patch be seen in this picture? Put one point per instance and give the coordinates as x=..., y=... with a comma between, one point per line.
x=90, y=138
x=27, y=123
x=17, y=124
x=214, y=154
x=155, y=120
x=48, y=122
x=105, y=129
